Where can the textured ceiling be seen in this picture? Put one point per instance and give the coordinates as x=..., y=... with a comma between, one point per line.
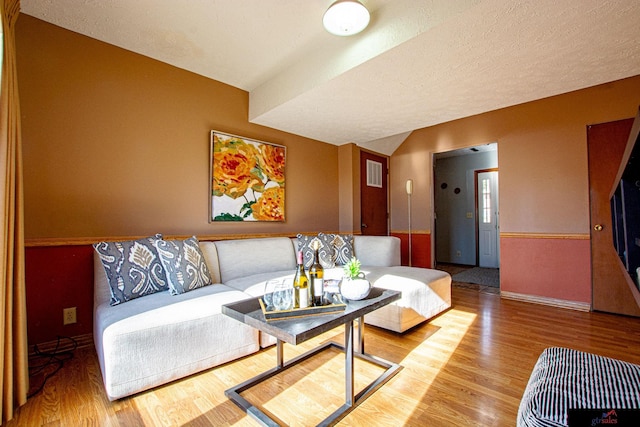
x=419, y=63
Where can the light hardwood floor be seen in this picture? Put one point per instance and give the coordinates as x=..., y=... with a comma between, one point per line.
x=469, y=366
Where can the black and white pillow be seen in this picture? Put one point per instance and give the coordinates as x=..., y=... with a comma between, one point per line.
x=184, y=264
x=306, y=244
x=342, y=246
x=132, y=267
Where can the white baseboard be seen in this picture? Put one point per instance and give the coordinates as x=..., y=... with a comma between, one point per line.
x=535, y=299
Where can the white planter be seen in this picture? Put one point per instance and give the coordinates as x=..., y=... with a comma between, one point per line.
x=355, y=289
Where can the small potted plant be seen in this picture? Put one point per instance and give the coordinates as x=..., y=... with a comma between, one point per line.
x=354, y=285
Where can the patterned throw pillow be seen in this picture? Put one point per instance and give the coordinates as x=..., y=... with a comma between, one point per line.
x=185, y=265
x=342, y=245
x=306, y=244
x=132, y=267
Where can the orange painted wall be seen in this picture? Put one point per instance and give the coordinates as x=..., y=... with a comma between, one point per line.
x=117, y=144
x=349, y=191
x=542, y=156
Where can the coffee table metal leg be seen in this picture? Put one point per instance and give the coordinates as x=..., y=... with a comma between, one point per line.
x=361, y=335
x=348, y=354
x=279, y=354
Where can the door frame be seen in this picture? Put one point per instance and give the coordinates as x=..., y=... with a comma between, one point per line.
x=477, y=213
x=432, y=196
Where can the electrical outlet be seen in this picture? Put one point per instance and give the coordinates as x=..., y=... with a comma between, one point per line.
x=458, y=254
x=68, y=316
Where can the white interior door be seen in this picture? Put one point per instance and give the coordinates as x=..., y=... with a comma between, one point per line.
x=488, y=220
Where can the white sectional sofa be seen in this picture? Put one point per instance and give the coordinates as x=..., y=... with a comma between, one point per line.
x=160, y=337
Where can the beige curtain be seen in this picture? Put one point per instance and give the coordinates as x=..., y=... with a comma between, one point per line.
x=13, y=334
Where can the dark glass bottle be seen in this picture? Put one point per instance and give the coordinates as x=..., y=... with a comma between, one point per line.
x=316, y=278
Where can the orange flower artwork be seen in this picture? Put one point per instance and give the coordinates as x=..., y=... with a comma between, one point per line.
x=269, y=206
x=247, y=179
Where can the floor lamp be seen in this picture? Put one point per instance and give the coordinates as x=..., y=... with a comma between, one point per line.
x=409, y=192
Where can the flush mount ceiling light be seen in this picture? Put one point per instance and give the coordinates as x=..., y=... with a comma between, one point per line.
x=346, y=18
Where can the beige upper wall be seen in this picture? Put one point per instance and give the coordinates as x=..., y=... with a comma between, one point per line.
x=117, y=144
x=542, y=155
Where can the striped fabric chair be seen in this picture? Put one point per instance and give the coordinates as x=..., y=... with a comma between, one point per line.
x=567, y=382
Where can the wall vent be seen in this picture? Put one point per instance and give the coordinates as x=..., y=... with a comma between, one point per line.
x=374, y=174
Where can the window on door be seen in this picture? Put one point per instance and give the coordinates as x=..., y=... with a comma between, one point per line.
x=486, y=201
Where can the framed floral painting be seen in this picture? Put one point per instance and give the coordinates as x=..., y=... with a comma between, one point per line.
x=247, y=179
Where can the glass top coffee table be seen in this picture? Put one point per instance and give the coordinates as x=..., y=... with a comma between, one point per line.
x=298, y=330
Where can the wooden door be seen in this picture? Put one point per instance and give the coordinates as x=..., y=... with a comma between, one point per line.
x=613, y=290
x=373, y=195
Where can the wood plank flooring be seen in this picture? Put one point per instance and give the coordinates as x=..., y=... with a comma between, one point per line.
x=467, y=367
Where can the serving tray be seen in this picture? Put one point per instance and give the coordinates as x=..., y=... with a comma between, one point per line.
x=300, y=312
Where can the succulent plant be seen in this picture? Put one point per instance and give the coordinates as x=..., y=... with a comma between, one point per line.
x=352, y=269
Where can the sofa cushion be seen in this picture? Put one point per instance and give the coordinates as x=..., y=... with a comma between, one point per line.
x=307, y=245
x=425, y=293
x=342, y=245
x=239, y=258
x=210, y=254
x=184, y=264
x=379, y=251
x=133, y=268
x=162, y=337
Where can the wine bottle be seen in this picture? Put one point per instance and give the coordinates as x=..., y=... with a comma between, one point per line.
x=301, y=285
x=316, y=279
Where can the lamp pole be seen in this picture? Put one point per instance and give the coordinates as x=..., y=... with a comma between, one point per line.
x=409, y=192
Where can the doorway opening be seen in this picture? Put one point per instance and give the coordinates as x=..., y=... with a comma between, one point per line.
x=467, y=216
